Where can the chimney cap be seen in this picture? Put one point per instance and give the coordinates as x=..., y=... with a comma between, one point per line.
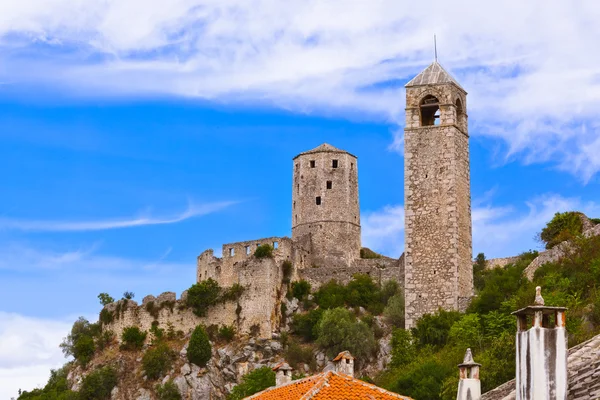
x=468, y=360
x=538, y=305
x=344, y=355
x=282, y=366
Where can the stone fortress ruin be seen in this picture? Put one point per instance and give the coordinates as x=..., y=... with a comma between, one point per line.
x=436, y=268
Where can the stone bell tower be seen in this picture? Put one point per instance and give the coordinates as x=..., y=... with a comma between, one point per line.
x=438, y=248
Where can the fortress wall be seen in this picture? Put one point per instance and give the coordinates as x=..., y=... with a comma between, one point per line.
x=380, y=269
x=182, y=319
x=260, y=301
x=226, y=270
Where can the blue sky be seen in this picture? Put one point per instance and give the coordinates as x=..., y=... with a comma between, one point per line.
x=126, y=149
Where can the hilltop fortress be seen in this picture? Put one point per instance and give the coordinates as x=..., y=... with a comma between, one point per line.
x=436, y=268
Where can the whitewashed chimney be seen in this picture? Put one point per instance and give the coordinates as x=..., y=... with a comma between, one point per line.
x=541, y=352
x=469, y=386
x=344, y=363
x=283, y=374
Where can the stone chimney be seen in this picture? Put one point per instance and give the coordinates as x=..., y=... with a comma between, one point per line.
x=344, y=363
x=469, y=386
x=541, y=352
x=283, y=374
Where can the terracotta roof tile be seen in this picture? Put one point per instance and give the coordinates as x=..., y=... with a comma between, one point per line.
x=327, y=386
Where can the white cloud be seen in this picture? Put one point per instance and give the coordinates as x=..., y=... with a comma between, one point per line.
x=530, y=67
x=498, y=231
x=383, y=230
x=70, y=226
x=28, y=350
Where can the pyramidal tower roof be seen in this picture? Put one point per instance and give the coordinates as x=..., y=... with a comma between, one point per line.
x=434, y=74
x=324, y=148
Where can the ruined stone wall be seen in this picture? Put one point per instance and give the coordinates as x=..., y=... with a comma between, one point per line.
x=500, y=262
x=226, y=270
x=380, y=269
x=438, y=248
x=182, y=318
x=259, y=303
x=333, y=225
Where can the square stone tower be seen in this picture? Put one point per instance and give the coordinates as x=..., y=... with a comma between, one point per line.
x=438, y=248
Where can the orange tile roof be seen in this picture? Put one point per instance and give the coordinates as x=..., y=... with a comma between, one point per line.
x=327, y=386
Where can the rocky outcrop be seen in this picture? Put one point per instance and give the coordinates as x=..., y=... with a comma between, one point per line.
x=560, y=250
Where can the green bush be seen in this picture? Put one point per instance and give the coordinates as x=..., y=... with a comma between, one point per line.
x=338, y=330
x=105, y=299
x=168, y=391
x=128, y=295
x=106, y=317
x=202, y=295
x=105, y=339
x=263, y=251
x=80, y=341
x=422, y=380
x=434, y=329
x=403, y=348
x=394, y=311
x=57, y=388
x=286, y=271
x=388, y=290
x=98, y=384
x=363, y=292
x=368, y=253
x=157, y=361
x=331, y=295
x=297, y=354
x=199, y=349
x=226, y=332
x=564, y=226
x=133, y=338
x=232, y=293
x=304, y=325
x=252, y=383
x=300, y=289
x=595, y=221
x=478, y=270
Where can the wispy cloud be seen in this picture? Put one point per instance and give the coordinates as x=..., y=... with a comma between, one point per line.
x=383, y=230
x=498, y=230
x=98, y=225
x=533, y=81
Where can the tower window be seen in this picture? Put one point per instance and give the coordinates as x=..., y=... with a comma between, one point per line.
x=231, y=252
x=318, y=200
x=298, y=188
x=334, y=164
x=296, y=165
x=294, y=207
x=275, y=245
x=329, y=184
x=247, y=250
x=430, y=111
x=351, y=165
x=312, y=163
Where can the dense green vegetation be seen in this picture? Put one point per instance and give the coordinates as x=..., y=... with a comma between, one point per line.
x=158, y=360
x=564, y=226
x=199, y=349
x=133, y=338
x=263, y=251
x=168, y=391
x=253, y=382
x=203, y=295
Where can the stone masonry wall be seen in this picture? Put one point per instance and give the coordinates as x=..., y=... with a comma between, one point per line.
x=380, y=269
x=226, y=270
x=438, y=250
x=181, y=318
x=333, y=225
